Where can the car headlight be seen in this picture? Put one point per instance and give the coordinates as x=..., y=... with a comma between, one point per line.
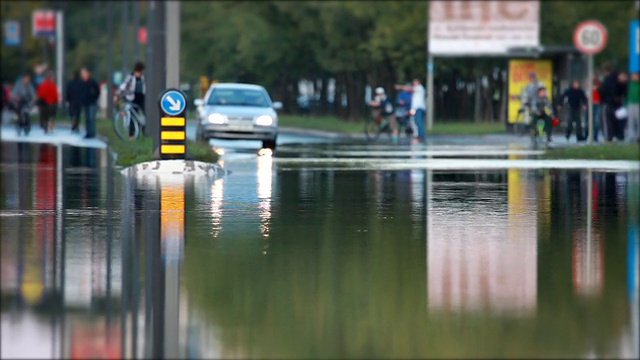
x=216, y=118
x=264, y=120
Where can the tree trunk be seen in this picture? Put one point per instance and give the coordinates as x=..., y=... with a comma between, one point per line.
x=323, y=94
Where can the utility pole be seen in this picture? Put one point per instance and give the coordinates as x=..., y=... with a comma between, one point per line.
x=136, y=26
x=124, y=27
x=156, y=67
x=23, y=35
x=173, y=43
x=109, y=59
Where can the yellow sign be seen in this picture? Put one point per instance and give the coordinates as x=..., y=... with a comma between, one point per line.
x=172, y=121
x=172, y=149
x=519, y=77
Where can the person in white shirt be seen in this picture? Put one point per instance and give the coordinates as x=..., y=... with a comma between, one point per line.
x=418, y=106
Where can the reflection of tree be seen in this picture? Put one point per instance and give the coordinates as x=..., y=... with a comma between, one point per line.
x=344, y=279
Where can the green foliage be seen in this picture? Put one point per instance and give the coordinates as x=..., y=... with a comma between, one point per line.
x=141, y=150
x=610, y=151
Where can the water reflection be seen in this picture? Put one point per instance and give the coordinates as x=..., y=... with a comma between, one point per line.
x=391, y=264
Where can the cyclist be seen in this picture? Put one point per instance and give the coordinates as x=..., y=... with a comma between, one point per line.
x=23, y=95
x=542, y=110
x=528, y=94
x=133, y=89
x=383, y=113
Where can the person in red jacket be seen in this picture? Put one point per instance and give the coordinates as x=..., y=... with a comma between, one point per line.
x=47, y=93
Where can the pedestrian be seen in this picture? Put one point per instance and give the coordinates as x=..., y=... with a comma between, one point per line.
x=595, y=96
x=403, y=101
x=576, y=100
x=530, y=91
x=607, y=92
x=617, y=124
x=90, y=92
x=133, y=89
x=47, y=93
x=541, y=107
x=633, y=107
x=418, y=106
x=23, y=96
x=74, y=100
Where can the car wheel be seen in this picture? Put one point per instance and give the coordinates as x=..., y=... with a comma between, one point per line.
x=269, y=144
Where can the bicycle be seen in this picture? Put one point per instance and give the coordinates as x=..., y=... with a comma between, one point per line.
x=24, y=118
x=376, y=125
x=128, y=115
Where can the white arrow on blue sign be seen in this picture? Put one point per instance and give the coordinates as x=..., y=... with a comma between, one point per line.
x=11, y=33
x=172, y=102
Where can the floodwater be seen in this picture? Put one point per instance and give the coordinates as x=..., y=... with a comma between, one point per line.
x=279, y=261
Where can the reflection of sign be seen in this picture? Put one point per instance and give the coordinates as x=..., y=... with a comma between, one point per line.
x=44, y=23
x=519, y=77
x=482, y=27
x=172, y=222
x=588, y=263
x=590, y=37
x=634, y=46
x=11, y=33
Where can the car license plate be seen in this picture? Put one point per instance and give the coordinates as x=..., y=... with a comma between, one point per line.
x=241, y=127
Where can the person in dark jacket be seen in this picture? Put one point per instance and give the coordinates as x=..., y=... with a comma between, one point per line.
x=74, y=100
x=89, y=94
x=576, y=100
x=607, y=92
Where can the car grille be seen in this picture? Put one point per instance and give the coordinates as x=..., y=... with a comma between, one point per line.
x=240, y=118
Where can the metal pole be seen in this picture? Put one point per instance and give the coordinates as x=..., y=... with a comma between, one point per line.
x=156, y=57
x=124, y=27
x=23, y=35
x=136, y=25
x=60, y=54
x=590, y=97
x=109, y=58
x=430, y=102
x=173, y=43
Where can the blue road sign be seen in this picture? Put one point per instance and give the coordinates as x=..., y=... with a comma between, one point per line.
x=634, y=46
x=172, y=102
x=11, y=33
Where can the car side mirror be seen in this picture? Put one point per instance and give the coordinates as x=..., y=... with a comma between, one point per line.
x=198, y=102
x=277, y=105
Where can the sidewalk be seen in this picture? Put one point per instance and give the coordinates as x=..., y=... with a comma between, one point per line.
x=61, y=135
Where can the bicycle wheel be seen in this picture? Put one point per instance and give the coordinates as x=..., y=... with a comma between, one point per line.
x=371, y=129
x=121, y=123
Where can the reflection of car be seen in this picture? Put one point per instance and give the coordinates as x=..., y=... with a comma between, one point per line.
x=238, y=111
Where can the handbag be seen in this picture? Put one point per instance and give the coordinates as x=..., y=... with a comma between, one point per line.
x=622, y=113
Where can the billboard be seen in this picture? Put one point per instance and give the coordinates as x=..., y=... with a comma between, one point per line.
x=482, y=27
x=519, y=77
x=634, y=46
x=43, y=23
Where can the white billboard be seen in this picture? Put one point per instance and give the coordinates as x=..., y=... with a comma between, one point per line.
x=459, y=28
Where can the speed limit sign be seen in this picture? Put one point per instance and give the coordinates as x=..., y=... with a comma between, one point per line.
x=590, y=37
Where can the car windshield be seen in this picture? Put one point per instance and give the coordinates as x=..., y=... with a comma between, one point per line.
x=238, y=97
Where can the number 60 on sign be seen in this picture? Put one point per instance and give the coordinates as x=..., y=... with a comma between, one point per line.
x=590, y=37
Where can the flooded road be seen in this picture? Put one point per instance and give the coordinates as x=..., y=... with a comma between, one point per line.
x=285, y=259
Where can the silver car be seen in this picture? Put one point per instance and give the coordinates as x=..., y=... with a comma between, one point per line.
x=238, y=111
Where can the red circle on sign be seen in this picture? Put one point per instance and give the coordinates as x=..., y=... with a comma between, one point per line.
x=578, y=41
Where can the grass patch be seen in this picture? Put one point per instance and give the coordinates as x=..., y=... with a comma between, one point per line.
x=141, y=150
x=325, y=123
x=467, y=128
x=333, y=124
x=610, y=151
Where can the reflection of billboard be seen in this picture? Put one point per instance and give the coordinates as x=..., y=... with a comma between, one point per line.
x=95, y=341
x=519, y=77
x=479, y=258
x=482, y=27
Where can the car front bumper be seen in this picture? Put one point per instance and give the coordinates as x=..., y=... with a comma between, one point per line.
x=248, y=132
